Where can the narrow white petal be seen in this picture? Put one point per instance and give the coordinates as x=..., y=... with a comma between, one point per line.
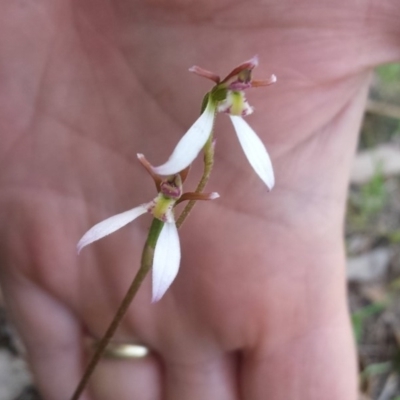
x=110, y=225
x=254, y=150
x=167, y=256
x=190, y=144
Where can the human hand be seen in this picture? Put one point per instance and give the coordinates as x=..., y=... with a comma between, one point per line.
x=258, y=309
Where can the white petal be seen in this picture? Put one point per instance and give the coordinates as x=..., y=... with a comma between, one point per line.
x=190, y=144
x=254, y=150
x=110, y=225
x=167, y=256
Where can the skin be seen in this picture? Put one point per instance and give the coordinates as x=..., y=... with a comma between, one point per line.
x=258, y=310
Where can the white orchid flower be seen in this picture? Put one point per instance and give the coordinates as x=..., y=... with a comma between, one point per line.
x=234, y=103
x=167, y=253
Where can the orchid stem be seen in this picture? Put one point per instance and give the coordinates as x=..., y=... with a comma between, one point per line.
x=208, y=165
x=145, y=266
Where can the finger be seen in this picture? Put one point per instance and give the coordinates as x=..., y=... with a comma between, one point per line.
x=317, y=365
x=127, y=379
x=211, y=379
x=52, y=336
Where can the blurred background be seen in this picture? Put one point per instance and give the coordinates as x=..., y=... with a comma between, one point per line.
x=373, y=255
x=373, y=240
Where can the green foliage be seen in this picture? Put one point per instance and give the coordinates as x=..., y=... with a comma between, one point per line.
x=379, y=128
x=373, y=193
x=394, y=237
x=358, y=318
x=369, y=200
x=389, y=73
x=376, y=369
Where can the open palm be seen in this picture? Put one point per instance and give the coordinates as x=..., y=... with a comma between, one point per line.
x=258, y=309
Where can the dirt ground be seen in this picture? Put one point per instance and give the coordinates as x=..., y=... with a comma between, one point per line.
x=373, y=244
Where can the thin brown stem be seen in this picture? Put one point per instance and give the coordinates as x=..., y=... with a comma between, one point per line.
x=146, y=264
x=208, y=164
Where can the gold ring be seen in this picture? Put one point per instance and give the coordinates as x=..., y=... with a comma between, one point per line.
x=123, y=350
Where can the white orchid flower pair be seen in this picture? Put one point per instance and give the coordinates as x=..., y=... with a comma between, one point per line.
x=227, y=97
x=167, y=253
